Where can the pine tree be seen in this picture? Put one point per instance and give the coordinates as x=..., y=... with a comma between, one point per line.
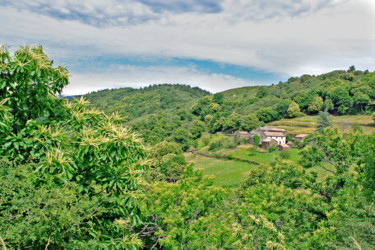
x=323, y=121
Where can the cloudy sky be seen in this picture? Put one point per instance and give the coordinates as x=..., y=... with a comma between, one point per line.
x=213, y=44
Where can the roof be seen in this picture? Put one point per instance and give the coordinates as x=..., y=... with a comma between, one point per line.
x=268, y=140
x=301, y=135
x=277, y=130
x=284, y=145
x=275, y=134
x=243, y=132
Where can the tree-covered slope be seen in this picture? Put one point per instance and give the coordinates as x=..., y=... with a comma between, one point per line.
x=181, y=113
x=134, y=103
x=349, y=92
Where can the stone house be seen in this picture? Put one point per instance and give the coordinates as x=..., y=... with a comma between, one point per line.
x=279, y=135
x=301, y=137
x=240, y=135
x=283, y=147
x=268, y=142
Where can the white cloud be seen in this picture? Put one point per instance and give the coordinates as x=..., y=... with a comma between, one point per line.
x=285, y=37
x=133, y=76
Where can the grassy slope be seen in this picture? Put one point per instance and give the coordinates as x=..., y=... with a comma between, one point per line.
x=226, y=172
x=307, y=124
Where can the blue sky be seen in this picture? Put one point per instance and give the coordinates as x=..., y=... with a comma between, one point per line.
x=213, y=44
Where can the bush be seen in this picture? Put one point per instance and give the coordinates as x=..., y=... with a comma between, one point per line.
x=256, y=140
x=285, y=155
x=272, y=149
x=223, y=142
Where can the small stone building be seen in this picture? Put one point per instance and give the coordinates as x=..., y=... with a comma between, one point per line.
x=301, y=137
x=268, y=142
x=240, y=135
x=283, y=147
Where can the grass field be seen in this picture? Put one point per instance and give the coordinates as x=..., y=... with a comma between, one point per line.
x=231, y=172
x=226, y=172
x=307, y=124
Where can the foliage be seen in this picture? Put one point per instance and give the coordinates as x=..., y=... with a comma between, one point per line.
x=250, y=122
x=256, y=139
x=47, y=215
x=74, y=177
x=328, y=105
x=266, y=115
x=272, y=149
x=167, y=162
x=232, y=123
x=182, y=137
x=192, y=213
x=323, y=121
x=262, y=92
x=316, y=105
x=197, y=128
x=29, y=82
x=221, y=142
x=293, y=110
x=81, y=159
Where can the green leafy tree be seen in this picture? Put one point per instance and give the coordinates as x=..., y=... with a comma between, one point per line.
x=80, y=148
x=167, y=162
x=197, y=128
x=256, y=140
x=328, y=105
x=305, y=99
x=316, y=105
x=218, y=98
x=250, y=122
x=361, y=100
x=282, y=107
x=30, y=82
x=340, y=97
x=182, y=137
x=262, y=92
x=351, y=69
x=266, y=114
x=232, y=122
x=293, y=110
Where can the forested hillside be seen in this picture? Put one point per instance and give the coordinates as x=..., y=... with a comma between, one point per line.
x=181, y=114
x=134, y=103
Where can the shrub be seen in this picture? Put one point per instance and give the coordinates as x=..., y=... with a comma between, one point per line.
x=256, y=140
x=285, y=154
x=272, y=149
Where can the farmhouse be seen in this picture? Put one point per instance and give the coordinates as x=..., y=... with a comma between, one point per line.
x=279, y=135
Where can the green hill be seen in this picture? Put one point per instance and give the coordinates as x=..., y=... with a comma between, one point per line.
x=134, y=103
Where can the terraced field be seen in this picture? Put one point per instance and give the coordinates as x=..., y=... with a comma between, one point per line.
x=307, y=124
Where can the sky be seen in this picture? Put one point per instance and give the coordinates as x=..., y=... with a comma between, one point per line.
x=212, y=44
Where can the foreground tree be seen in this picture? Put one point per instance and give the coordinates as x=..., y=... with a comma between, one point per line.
x=30, y=82
x=65, y=152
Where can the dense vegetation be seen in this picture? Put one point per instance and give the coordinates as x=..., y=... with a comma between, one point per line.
x=191, y=112
x=74, y=177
